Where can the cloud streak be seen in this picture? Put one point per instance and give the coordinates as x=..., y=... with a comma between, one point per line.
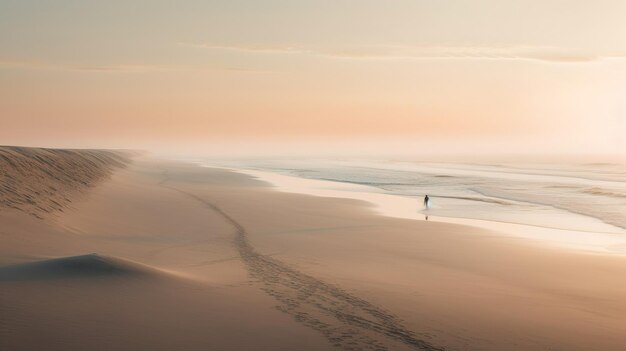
x=386, y=52
x=405, y=52
x=114, y=68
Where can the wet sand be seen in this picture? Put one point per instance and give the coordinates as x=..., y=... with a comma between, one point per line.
x=165, y=255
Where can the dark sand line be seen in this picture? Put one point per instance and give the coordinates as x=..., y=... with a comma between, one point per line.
x=347, y=321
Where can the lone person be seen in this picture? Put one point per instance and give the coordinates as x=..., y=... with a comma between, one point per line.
x=426, y=201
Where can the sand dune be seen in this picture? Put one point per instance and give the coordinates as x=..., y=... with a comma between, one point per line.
x=84, y=266
x=40, y=181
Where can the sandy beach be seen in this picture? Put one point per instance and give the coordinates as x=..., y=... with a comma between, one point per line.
x=140, y=253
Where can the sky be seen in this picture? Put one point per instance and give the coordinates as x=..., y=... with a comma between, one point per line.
x=366, y=76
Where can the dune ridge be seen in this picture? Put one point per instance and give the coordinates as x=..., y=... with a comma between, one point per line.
x=82, y=266
x=41, y=181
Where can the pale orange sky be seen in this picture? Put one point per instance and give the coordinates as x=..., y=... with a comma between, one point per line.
x=502, y=76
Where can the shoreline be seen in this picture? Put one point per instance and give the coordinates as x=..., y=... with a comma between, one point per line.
x=395, y=206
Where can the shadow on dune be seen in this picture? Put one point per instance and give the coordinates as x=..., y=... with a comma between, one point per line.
x=84, y=266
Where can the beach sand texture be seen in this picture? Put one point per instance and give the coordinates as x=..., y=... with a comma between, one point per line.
x=110, y=250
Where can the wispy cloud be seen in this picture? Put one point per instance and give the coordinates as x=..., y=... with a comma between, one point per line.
x=115, y=68
x=406, y=52
x=386, y=52
x=43, y=65
x=276, y=49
